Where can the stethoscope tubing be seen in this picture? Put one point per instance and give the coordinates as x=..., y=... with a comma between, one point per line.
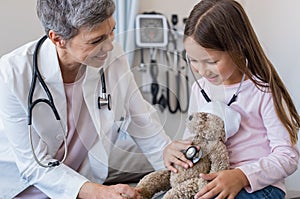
x=36, y=74
x=31, y=104
x=204, y=94
x=104, y=100
x=51, y=163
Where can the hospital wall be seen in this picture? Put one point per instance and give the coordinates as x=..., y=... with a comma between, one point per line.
x=19, y=24
x=275, y=21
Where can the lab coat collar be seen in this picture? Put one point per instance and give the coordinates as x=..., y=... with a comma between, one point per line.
x=90, y=85
x=91, y=88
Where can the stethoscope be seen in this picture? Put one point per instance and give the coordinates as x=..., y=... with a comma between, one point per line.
x=192, y=153
x=104, y=99
x=204, y=94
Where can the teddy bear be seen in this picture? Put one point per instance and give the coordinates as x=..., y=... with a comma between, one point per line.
x=208, y=131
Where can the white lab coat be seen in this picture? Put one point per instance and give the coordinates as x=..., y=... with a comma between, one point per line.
x=18, y=169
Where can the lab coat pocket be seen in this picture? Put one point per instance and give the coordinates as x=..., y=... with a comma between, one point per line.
x=122, y=124
x=120, y=128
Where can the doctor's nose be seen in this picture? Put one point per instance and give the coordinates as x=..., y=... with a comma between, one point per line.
x=108, y=44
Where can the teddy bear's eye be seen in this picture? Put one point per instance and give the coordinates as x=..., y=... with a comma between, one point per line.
x=190, y=117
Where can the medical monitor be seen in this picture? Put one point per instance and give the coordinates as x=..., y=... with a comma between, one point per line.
x=151, y=30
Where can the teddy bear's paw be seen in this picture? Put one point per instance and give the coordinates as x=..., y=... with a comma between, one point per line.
x=178, y=194
x=170, y=195
x=186, y=189
x=153, y=183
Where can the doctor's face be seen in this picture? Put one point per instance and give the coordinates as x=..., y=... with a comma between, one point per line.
x=216, y=66
x=91, y=47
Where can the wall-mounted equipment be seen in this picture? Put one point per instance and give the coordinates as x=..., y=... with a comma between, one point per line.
x=151, y=30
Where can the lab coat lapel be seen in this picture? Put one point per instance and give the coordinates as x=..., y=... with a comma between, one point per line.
x=91, y=90
x=90, y=93
x=48, y=63
x=102, y=118
x=53, y=78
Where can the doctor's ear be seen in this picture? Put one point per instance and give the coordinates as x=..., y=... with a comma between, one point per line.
x=56, y=39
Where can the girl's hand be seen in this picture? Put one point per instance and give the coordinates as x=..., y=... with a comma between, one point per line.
x=224, y=184
x=173, y=155
x=99, y=191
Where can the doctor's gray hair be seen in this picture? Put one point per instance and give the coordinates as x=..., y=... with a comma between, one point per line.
x=66, y=17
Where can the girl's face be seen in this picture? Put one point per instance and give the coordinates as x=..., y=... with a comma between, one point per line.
x=91, y=47
x=216, y=66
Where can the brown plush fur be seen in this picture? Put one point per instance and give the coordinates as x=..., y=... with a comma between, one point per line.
x=209, y=135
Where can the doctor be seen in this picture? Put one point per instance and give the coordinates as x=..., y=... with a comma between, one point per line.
x=95, y=129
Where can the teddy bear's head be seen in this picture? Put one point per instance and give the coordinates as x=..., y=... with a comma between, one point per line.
x=211, y=118
x=206, y=126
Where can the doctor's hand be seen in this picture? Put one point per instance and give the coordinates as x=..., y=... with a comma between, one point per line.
x=173, y=155
x=223, y=184
x=98, y=191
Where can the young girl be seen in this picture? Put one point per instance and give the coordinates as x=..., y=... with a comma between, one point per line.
x=222, y=47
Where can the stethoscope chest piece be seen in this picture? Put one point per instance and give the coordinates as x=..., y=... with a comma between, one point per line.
x=193, y=154
x=104, y=100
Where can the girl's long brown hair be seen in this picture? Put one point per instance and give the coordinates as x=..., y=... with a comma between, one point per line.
x=223, y=25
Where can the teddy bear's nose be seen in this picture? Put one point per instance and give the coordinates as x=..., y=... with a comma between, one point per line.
x=190, y=117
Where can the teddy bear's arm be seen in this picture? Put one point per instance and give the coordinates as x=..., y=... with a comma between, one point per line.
x=219, y=158
x=153, y=183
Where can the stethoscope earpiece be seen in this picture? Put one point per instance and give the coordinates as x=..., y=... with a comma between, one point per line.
x=193, y=154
